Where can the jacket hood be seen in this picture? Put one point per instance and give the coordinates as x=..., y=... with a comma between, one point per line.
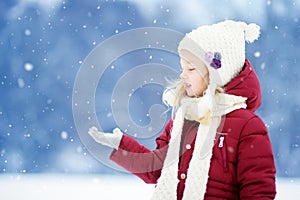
x=246, y=84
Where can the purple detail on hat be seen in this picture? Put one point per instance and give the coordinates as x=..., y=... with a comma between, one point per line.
x=209, y=56
x=216, y=63
x=214, y=59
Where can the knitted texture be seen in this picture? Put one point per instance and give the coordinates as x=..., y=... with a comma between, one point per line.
x=197, y=175
x=167, y=183
x=200, y=162
x=220, y=46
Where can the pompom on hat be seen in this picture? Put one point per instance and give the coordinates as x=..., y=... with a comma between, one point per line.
x=221, y=47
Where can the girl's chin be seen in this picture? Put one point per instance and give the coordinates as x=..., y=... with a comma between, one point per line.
x=190, y=94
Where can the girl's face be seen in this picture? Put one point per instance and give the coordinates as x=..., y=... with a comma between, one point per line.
x=195, y=79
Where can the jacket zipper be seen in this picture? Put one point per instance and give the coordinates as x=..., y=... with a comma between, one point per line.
x=223, y=152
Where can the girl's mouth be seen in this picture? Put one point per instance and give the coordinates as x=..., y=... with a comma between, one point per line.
x=187, y=85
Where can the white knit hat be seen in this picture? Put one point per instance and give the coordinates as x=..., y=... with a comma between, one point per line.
x=221, y=47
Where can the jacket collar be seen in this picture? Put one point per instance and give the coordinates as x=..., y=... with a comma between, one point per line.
x=246, y=84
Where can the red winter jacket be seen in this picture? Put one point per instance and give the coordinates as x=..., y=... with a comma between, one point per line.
x=242, y=166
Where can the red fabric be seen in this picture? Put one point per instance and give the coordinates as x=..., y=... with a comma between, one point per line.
x=242, y=168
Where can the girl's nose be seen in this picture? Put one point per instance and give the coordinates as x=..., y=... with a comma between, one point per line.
x=182, y=75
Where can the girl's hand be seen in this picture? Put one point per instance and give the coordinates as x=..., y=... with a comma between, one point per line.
x=109, y=139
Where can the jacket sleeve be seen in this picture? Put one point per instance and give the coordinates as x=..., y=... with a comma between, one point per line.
x=255, y=166
x=141, y=161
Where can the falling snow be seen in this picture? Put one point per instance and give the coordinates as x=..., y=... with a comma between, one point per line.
x=27, y=32
x=21, y=83
x=44, y=43
x=28, y=67
x=64, y=135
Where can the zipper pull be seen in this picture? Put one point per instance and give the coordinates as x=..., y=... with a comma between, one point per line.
x=221, y=141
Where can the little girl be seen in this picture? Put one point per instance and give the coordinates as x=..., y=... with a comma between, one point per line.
x=215, y=146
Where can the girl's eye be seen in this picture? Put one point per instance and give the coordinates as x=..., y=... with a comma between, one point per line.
x=191, y=69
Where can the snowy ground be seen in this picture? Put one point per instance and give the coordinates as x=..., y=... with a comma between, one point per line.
x=100, y=187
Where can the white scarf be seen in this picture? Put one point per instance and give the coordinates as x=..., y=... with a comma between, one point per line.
x=197, y=174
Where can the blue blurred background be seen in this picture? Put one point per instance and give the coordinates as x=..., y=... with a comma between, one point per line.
x=44, y=42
